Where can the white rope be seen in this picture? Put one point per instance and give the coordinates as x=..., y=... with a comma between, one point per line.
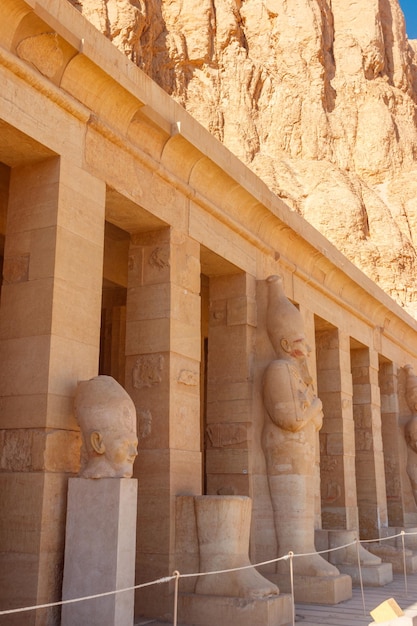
x=176, y=576
x=235, y=569
x=384, y=538
x=166, y=579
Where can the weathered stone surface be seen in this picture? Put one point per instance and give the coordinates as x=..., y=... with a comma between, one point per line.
x=23, y=450
x=318, y=98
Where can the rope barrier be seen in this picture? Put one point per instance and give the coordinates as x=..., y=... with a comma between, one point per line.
x=35, y=607
x=237, y=569
x=176, y=576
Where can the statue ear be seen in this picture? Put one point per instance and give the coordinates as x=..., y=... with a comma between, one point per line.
x=96, y=440
x=285, y=345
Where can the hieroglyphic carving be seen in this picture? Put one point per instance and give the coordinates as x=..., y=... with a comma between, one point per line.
x=189, y=378
x=147, y=371
x=393, y=483
x=224, y=435
x=159, y=258
x=144, y=423
x=331, y=488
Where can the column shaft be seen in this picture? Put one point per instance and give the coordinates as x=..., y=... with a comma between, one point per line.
x=370, y=473
x=49, y=334
x=337, y=444
x=163, y=345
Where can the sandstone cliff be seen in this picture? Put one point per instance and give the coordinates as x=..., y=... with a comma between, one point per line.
x=318, y=97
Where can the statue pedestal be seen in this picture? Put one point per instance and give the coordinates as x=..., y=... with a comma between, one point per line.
x=205, y=610
x=410, y=537
x=372, y=575
x=316, y=589
x=394, y=557
x=391, y=550
x=100, y=551
x=374, y=572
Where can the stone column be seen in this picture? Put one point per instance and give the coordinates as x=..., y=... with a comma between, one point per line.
x=50, y=331
x=370, y=473
x=231, y=345
x=337, y=442
x=402, y=510
x=309, y=328
x=163, y=345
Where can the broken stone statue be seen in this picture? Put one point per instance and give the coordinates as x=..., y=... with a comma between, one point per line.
x=293, y=415
x=107, y=417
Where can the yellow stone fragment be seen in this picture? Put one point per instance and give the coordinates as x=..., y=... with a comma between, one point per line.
x=388, y=610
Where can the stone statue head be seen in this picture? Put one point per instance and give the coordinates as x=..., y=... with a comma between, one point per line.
x=285, y=324
x=107, y=417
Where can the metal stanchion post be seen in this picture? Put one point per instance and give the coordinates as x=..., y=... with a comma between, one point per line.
x=291, y=555
x=404, y=564
x=177, y=577
x=360, y=575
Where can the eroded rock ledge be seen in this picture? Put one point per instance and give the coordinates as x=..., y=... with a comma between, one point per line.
x=318, y=97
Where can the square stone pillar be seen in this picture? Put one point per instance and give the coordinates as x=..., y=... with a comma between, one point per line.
x=100, y=551
x=337, y=437
x=402, y=509
x=163, y=346
x=231, y=345
x=49, y=339
x=370, y=472
x=309, y=329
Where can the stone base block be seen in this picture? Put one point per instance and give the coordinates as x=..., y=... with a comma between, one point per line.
x=316, y=589
x=205, y=610
x=100, y=551
x=395, y=557
x=410, y=537
x=372, y=575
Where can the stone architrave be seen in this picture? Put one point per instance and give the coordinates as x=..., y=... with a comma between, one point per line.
x=293, y=415
x=102, y=507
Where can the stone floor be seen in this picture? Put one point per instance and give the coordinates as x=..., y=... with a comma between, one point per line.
x=351, y=612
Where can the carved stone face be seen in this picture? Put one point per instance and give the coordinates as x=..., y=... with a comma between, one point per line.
x=116, y=448
x=107, y=416
x=297, y=348
x=120, y=451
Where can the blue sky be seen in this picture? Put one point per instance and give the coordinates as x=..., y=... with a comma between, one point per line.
x=409, y=8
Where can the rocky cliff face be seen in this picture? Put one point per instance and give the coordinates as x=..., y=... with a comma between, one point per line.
x=318, y=97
